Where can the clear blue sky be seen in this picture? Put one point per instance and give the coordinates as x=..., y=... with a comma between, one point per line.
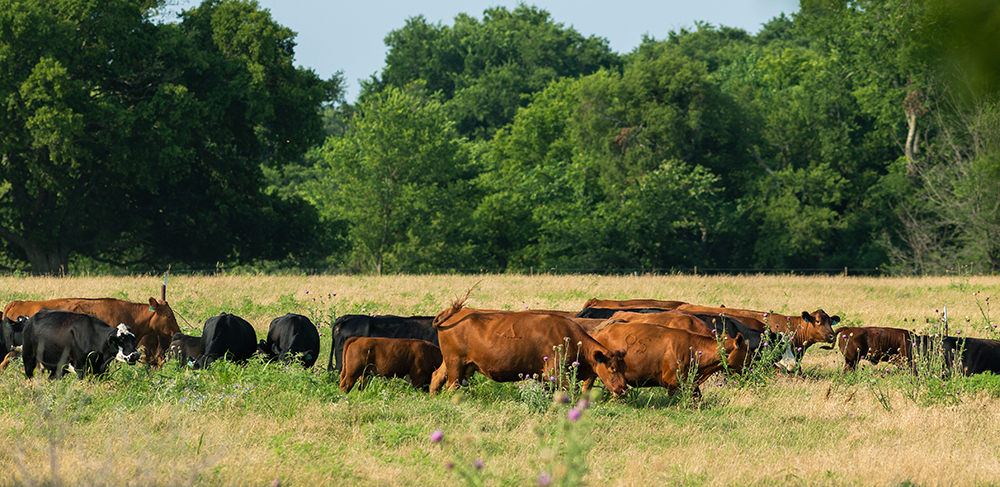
x=349, y=36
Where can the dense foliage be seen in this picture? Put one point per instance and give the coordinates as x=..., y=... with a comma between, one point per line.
x=855, y=133
x=136, y=142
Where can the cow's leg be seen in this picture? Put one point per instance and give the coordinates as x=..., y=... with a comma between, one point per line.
x=438, y=378
x=348, y=376
x=456, y=372
x=28, y=359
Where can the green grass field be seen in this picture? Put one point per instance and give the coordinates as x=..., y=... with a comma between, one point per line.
x=260, y=424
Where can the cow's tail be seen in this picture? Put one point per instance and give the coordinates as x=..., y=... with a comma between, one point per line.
x=456, y=306
x=334, y=329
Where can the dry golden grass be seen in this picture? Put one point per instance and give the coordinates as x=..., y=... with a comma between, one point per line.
x=820, y=429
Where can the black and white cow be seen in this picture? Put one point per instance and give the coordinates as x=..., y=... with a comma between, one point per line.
x=291, y=337
x=387, y=326
x=226, y=336
x=64, y=341
x=185, y=348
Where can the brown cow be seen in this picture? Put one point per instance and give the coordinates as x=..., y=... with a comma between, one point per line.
x=809, y=328
x=660, y=356
x=511, y=346
x=388, y=357
x=631, y=304
x=153, y=323
x=753, y=331
x=873, y=343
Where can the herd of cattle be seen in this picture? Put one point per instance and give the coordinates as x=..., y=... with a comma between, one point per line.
x=630, y=343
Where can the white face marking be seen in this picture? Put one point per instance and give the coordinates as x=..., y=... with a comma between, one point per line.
x=788, y=358
x=123, y=330
x=121, y=356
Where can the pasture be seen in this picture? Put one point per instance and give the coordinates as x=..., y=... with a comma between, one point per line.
x=270, y=424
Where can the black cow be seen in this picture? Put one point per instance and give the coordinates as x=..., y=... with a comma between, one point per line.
x=605, y=313
x=185, y=348
x=978, y=355
x=11, y=338
x=67, y=341
x=226, y=336
x=291, y=337
x=387, y=326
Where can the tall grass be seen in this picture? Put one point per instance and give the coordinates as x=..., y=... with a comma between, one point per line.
x=254, y=424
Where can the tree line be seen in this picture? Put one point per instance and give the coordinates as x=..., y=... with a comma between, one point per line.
x=858, y=134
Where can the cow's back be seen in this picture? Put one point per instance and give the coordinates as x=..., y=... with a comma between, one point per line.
x=632, y=304
x=227, y=336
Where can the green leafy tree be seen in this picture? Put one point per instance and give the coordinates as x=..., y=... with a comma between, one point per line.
x=483, y=69
x=389, y=177
x=135, y=142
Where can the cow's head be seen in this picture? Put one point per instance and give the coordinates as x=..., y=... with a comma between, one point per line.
x=163, y=321
x=737, y=350
x=123, y=339
x=610, y=367
x=13, y=332
x=819, y=326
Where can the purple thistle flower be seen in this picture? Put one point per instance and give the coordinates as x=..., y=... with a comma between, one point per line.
x=436, y=436
x=544, y=478
x=575, y=364
x=582, y=404
x=478, y=464
x=545, y=357
x=307, y=291
x=573, y=414
x=450, y=465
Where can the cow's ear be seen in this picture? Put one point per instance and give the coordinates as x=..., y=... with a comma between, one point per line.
x=835, y=319
x=152, y=305
x=739, y=340
x=808, y=317
x=599, y=357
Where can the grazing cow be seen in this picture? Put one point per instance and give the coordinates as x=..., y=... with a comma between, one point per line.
x=77, y=342
x=291, y=337
x=973, y=355
x=185, y=348
x=510, y=346
x=153, y=323
x=11, y=338
x=753, y=331
x=632, y=304
x=874, y=343
x=388, y=357
x=809, y=328
x=386, y=326
x=226, y=336
x=659, y=356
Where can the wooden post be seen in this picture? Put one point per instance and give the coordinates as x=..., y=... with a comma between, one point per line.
x=163, y=288
x=695, y=271
x=845, y=271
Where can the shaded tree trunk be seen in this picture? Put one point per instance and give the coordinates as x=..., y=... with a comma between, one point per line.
x=45, y=260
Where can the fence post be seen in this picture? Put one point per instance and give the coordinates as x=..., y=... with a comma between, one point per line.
x=695, y=271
